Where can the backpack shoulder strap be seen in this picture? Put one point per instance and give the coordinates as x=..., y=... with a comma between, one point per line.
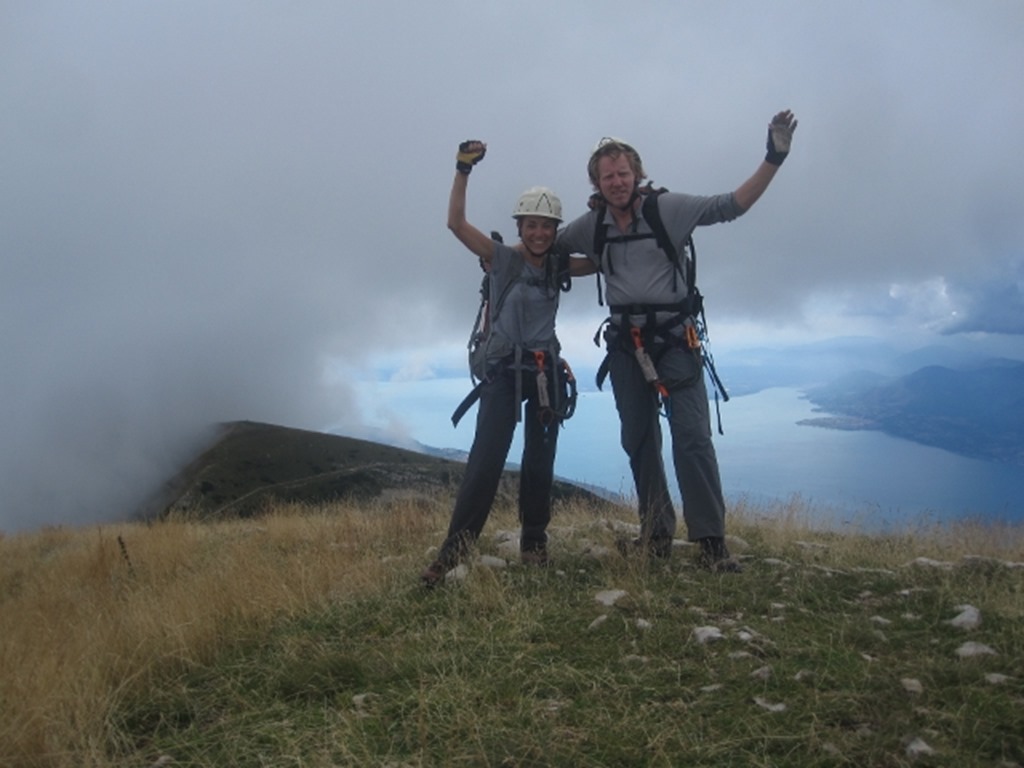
x=652, y=214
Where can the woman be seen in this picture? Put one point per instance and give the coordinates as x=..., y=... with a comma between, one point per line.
x=518, y=362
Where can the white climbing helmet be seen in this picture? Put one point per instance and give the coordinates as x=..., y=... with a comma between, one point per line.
x=538, y=201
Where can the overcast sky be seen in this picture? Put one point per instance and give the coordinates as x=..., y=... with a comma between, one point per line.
x=209, y=206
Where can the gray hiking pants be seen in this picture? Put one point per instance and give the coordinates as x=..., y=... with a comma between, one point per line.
x=693, y=452
x=495, y=426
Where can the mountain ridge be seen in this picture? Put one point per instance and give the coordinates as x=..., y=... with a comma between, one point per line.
x=249, y=465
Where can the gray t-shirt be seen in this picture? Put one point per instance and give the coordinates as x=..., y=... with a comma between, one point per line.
x=526, y=316
x=639, y=271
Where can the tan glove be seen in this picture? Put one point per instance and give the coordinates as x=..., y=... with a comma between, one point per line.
x=470, y=153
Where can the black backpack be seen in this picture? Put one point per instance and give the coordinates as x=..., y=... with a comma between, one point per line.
x=694, y=303
x=556, y=276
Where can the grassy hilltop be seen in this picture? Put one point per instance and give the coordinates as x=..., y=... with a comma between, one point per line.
x=300, y=636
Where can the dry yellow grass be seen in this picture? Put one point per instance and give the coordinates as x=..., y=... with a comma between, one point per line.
x=91, y=616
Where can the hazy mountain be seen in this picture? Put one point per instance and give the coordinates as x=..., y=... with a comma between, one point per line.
x=976, y=410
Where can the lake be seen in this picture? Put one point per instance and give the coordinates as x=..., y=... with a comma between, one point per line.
x=865, y=478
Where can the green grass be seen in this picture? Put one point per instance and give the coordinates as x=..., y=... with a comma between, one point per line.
x=508, y=667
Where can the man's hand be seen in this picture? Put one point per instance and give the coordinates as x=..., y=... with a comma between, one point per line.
x=470, y=153
x=780, y=136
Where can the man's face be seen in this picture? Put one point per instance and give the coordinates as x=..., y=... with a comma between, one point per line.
x=616, y=180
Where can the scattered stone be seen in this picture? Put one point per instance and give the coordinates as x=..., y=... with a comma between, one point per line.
x=643, y=624
x=995, y=678
x=458, y=573
x=629, y=529
x=880, y=621
x=908, y=592
x=741, y=655
x=490, y=561
x=927, y=562
x=803, y=674
x=610, y=597
x=771, y=707
x=971, y=648
x=711, y=688
x=811, y=545
x=635, y=659
x=361, y=700
x=705, y=635
x=868, y=657
x=918, y=748
x=828, y=571
x=598, y=621
x=736, y=543
x=912, y=685
x=968, y=618
x=762, y=673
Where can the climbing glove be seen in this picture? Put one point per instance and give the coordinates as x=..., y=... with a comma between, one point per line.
x=780, y=136
x=470, y=153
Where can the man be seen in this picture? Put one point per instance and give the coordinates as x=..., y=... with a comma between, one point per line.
x=654, y=357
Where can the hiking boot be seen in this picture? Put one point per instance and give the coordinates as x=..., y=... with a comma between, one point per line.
x=433, y=574
x=714, y=556
x=537, y=557
x=660, y=549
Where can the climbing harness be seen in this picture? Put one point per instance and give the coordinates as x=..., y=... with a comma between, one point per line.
x=651, y=340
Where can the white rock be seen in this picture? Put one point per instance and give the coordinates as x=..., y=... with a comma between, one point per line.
x=880, y=621
x=643, y=624
x=803, y=674
x=635, y=659
x=509, y=549
x=927, y=562
x=968, y=618
x=995, y=678
x=361, y=700
x=918, y=748
x=971, y=648
x=711, y=688
x=771, y=707
x=704, y=635
x=736, y=543
x=912, y=685
x=762, y=673
x=610, y=596
x=490, y=561
x=458, y=573
x=598, y=621
x=741, y=655
x=811, y=545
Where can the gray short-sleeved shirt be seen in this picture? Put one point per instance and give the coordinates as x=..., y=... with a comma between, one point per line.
x=639, y=272
x=527, y=315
